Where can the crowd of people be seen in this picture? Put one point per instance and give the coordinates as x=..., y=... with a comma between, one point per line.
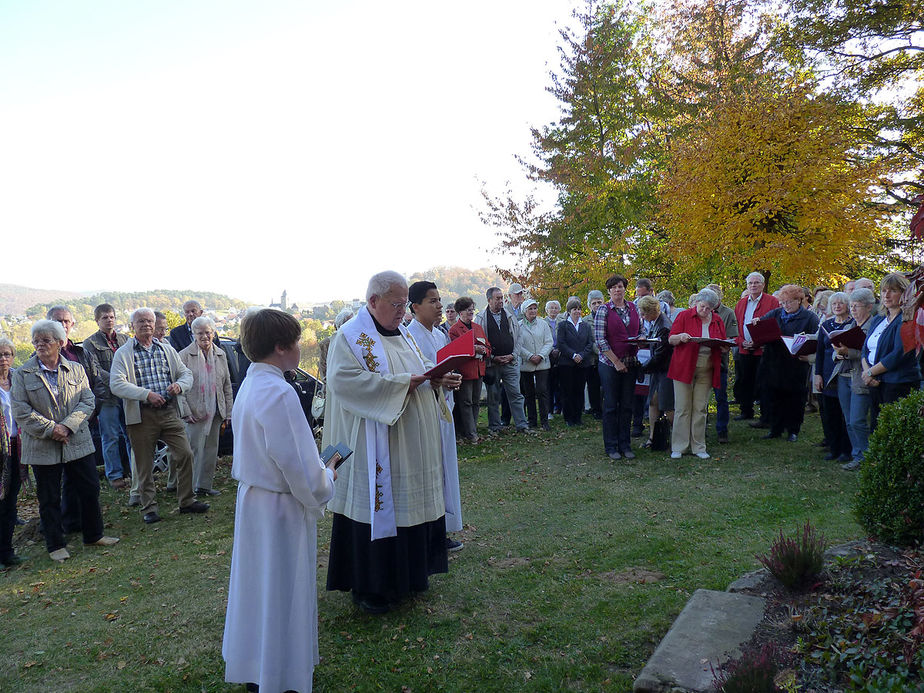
x=624, y=361
x=137, y=390
x=396, y=502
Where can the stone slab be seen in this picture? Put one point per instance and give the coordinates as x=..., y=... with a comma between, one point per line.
x=749, y=581
x=709, y=630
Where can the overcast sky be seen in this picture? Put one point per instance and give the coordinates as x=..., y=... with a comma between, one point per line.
x=247, y=147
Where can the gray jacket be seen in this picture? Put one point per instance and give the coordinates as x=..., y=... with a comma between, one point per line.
x=37, y=410
x=98, y=347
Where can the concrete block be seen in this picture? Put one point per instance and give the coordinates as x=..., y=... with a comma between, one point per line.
x=709, y=631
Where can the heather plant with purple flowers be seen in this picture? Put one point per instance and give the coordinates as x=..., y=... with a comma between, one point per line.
x=796, y=561
x=754, y=672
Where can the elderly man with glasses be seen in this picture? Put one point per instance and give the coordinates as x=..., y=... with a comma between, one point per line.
x=388, y=532
x=150, y=378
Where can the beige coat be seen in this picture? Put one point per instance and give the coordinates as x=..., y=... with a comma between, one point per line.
x=123, y=385
x=37, y=410
x=190, y=358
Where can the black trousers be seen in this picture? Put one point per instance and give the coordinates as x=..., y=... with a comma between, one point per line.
x=595, y=392
x=788, y=409
x=746, y=388
x=834, y=425
x=534, y=385
x=85, y=482
x=572, y=380
x=8, y=503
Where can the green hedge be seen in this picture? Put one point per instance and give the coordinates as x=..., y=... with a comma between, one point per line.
x=890, y=498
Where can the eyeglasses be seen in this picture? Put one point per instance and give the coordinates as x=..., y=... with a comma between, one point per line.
x=5, y=355
x=402, y=305
x=41, y=342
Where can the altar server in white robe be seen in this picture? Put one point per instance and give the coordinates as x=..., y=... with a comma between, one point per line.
x=271, y=625
x=427, y=309
x=388, y=531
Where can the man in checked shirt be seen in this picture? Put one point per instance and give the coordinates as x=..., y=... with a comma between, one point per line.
x=150, y=379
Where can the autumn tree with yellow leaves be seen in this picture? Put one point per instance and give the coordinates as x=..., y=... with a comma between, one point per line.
x=772, y=178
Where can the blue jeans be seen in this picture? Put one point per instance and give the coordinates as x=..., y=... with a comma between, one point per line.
x=618, y=389
x=856, y=415
x=111, y=428
x=508, y=378
x=721, y=400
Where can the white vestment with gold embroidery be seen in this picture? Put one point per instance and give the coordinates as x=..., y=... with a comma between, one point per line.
x=355, y=394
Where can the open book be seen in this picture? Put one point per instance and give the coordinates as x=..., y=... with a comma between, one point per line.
x=851, y=337
x=801, y=344
x=710, y=342
x=455, y=354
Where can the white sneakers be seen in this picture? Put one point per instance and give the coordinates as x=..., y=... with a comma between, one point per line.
x=700, y=455
x=676, y=455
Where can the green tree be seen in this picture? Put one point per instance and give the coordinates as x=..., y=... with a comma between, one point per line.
x=766, y=171
x=599, y=157
x=873, y=50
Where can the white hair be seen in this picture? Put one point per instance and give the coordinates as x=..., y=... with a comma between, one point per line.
x=139, y=311
x=862, y=295
x=202, y=321
x=342, y=317
x=54, y=309
x=756, y=275
x=50, y=327
x=192, y=302
x=707, y=296
x=553, y=302
x=382, y=282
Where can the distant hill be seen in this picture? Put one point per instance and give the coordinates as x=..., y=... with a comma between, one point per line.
x=159, y=299
x=454, y=282
x=15, y=300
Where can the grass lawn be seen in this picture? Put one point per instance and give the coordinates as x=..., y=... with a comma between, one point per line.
x=574, y=568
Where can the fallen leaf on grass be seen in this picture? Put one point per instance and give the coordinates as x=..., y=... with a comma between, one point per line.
x=28, y=665
x=111, y=617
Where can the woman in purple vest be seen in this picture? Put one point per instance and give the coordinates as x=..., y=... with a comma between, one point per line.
x=614, y=324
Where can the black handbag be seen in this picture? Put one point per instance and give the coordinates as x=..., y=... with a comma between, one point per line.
x=490, y=376
x=661, y=434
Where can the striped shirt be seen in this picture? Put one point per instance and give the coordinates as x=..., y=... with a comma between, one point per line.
x=152, y=372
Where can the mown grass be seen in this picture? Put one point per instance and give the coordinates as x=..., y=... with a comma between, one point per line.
x=573, y=570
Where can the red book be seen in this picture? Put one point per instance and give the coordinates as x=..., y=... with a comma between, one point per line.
x=852, y=338
x=765, y=331
x=453, y=355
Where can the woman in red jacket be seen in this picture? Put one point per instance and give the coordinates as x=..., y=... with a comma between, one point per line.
x=695, y=370
x=472, y=372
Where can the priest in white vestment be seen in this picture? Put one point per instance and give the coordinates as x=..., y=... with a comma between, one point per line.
x=271, y=625
x=388, y=530
x=427, y=309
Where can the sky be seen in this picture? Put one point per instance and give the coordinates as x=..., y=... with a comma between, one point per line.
x=247, y=148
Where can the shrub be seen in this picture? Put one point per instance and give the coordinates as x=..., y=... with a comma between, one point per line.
x=796, y=562
x=753, y=672
x=890, y=496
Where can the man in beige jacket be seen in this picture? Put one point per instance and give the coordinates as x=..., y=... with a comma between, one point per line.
x=150, y=379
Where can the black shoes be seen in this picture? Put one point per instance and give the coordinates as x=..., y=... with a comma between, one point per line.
x=195, y=507
x=770, y=435
x=792, y=438
x=151, y=517
x=207, y=492
x=758, y=424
